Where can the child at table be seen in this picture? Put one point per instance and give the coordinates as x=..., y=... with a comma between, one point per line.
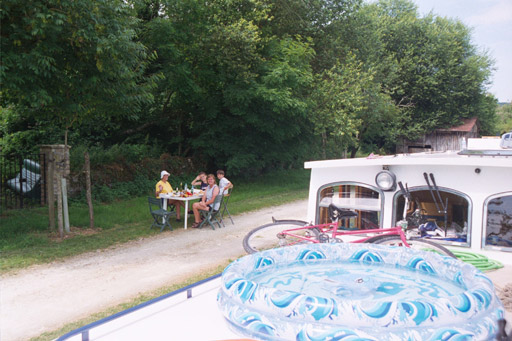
x=200, y=180
x=224, y=183
x=164, y=187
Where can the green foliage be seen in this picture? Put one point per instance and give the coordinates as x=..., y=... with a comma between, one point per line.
x=438, y=76
x=71, y=60
x=20, y=132
x=122, y=190
x=124, y=153
x=504, y=118
x=268, y=114
x=248, y=86
x=351, y=110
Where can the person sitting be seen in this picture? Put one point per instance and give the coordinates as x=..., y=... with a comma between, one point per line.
x=200, y=180
x=206, y=201
x=164, y=187
x=224, y=183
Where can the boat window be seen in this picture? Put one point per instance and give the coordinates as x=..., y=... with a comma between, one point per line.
x=425, y=214
x=498, y=223
x=363, y=199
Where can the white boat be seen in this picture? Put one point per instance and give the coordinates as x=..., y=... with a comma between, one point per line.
x=461, y=199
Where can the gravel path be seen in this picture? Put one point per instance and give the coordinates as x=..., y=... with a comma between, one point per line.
x=45, y=297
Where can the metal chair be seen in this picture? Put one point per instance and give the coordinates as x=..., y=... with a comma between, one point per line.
x=225, y=207
x=210, y=217
x=161, y=217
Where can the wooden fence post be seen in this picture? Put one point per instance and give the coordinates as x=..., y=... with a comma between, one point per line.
x=59, y=206
x=88, y=193
x=65, y=204
x=50, y=189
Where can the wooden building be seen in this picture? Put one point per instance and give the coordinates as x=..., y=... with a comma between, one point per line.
x=442, y=139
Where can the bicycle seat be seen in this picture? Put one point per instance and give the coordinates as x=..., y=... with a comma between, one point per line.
x=337, y=213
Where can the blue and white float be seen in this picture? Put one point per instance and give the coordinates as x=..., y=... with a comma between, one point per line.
x=357, y=291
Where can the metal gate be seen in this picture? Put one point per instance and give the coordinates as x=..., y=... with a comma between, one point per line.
x=23, y=181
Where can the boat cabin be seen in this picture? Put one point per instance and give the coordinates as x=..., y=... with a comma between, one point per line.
x=457, y=198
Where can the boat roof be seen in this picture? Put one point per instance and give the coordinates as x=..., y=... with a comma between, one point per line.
x=449, y=158
x=479, y=152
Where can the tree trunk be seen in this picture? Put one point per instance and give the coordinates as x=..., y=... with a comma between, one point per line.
x=353, y=152
x=88, y=193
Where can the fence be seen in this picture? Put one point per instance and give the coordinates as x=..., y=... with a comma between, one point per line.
x=23, y=181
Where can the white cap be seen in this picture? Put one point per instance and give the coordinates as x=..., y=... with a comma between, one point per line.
x=162, y=173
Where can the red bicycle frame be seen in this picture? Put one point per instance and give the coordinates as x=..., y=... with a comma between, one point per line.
x=331, y=229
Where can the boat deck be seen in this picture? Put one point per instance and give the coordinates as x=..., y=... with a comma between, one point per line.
x=187, y=314
x=191, y=314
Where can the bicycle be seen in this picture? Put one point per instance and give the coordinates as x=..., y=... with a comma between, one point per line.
x=290, y=232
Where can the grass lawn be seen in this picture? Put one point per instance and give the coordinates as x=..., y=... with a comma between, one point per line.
x=25, y=238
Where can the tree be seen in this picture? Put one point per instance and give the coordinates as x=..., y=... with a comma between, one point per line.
x=66, y=60
x=351, y=111
x=328, y=23
x=439, y=78
x=228, y=81
x=504, y=118
x=264, y=82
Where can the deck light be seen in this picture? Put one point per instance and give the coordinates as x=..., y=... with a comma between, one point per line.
x=386, y=180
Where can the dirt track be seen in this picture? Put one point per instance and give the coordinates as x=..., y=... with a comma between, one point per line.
x=44, y=298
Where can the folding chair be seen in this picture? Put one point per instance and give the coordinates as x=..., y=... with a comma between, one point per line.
x=161, y=217
x=225, y=207
x=210, y=217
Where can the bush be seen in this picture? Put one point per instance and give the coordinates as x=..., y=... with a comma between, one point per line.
x=124, y=154
x=122, y=171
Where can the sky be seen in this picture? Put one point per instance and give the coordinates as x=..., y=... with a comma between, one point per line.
x=491, y=22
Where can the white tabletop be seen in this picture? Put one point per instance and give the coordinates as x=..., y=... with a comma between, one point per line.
x=177, y=197
x=197, y=195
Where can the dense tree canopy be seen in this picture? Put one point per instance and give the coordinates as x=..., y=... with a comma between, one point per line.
x=68, y=61
x=245, y=85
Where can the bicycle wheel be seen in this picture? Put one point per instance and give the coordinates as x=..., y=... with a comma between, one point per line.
x=270, y=235
x=417, y=244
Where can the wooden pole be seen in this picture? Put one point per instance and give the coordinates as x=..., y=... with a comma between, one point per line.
x=59, y=206
x=65, y=204
x=88, y=193
x=51, y=193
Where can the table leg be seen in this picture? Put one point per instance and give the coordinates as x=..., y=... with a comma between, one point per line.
x=164, y=206
x=186, y=213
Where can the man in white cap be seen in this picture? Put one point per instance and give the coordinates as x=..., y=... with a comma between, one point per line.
x=163, y=187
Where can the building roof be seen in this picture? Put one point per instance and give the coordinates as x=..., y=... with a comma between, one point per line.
x=467, y=126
